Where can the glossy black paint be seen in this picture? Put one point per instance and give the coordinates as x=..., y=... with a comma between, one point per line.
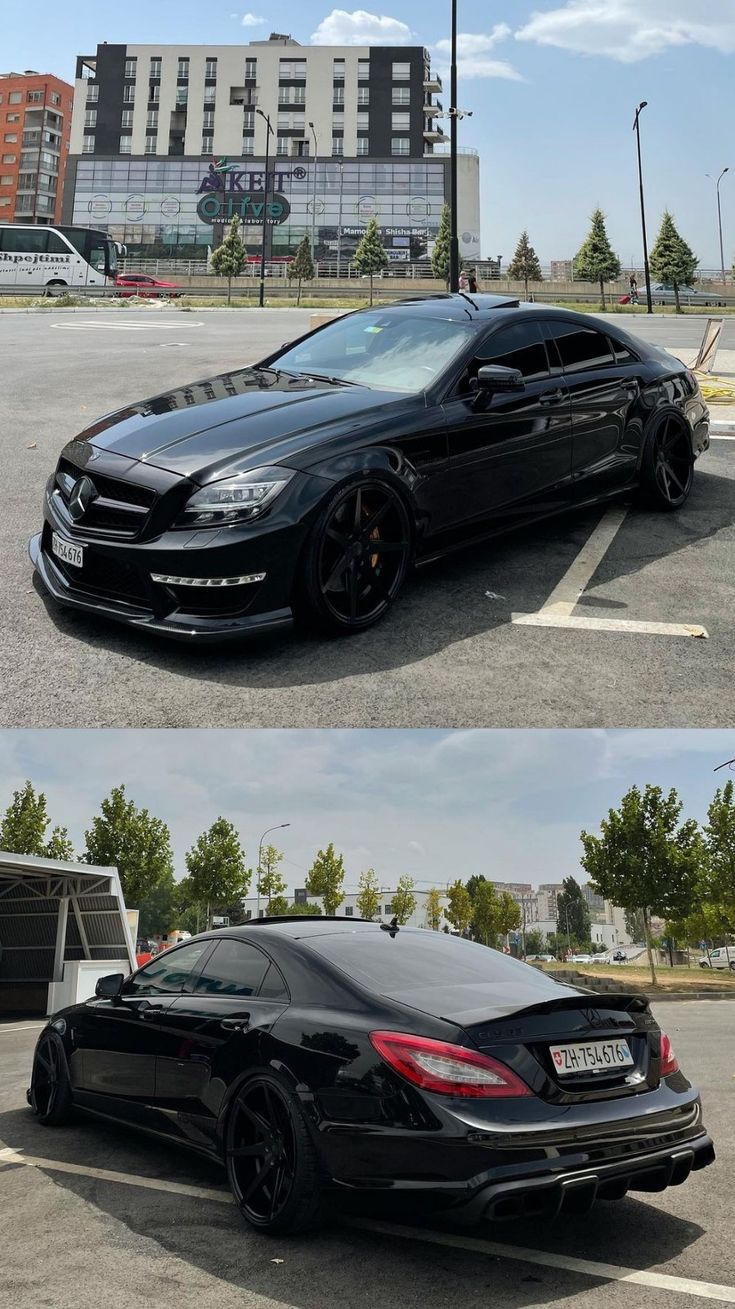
x=173, y=1064
x=470, y=463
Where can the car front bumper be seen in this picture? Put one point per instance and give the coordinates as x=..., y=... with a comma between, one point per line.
x=116, y=580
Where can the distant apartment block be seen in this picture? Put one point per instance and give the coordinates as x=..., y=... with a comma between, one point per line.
x=35, y=131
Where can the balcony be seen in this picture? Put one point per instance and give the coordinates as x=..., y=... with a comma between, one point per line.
x=433, y=107
x=435, y=134
x=432, y=82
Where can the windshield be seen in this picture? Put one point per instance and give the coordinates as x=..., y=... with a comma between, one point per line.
x=401, y=352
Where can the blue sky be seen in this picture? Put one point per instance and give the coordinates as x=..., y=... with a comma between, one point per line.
x=436, y=805
x=553, y=86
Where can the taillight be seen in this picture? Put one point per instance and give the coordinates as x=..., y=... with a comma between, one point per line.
x=669, y=1061
x=447, y=1069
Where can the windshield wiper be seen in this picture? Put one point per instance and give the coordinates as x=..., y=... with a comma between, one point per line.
x=337, y=381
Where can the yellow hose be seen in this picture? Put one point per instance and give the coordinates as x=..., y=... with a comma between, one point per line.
x=716, y=390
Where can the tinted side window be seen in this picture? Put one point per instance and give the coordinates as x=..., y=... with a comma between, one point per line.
x=168, y=972
x=56, y=246
x=580, y=347
x=23, y=241
x=235, y=968
x=273, y=987
x=623, y=355
x=520, y=346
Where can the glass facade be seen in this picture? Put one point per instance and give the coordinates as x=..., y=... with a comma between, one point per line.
x=157, y=206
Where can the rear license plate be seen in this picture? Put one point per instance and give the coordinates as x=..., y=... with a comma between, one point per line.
x=592, y=1057
x=67, y=551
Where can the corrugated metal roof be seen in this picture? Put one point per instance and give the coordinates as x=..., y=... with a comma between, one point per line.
x=34, y=892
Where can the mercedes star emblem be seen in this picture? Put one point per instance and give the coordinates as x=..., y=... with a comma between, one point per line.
x=82, y=494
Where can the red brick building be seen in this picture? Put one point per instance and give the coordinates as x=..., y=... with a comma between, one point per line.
x=35, y=126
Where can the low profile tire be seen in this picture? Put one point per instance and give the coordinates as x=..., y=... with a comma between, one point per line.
x=51, y=1097
x=271, y=1160
x=667, y=469
x=731, y=965
x=356, y=558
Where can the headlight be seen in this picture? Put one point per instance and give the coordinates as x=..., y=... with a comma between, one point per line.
x=235, y=499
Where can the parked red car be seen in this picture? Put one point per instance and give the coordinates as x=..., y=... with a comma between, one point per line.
x=141, y=284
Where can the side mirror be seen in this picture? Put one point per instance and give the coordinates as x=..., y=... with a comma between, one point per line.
x=492, y=377
x=108, y=987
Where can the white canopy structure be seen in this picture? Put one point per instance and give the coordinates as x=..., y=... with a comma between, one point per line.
x=61, y=926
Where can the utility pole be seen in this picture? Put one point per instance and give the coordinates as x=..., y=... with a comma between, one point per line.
x=313, y=199
x=646, y=267
x=339, y=219
x=719, y=220
x=268, y=134
x=453, y=123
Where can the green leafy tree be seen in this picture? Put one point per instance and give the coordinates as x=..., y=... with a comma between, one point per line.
x=596, y=260
x=24, y=824
x=509, y=913
x=719, y=861
x=370, y=257
x=217, y=870
x=524, y=266
x=572, y=913
x=278, y=905
x=440, y=253
x=473, y=882
x=158, y=911
x=368, y=896
x=307, y=909
x=433, y=909
x=403, y=903
x=644, y=858
x=137, y=843
x=634, y=925
x=485, y=914
x=535, y=942
x=271, y=882
x=229, y=259
x=672, y=260
x=556, y=944
x=302, y=266
x=326, y=879
x=459, y=907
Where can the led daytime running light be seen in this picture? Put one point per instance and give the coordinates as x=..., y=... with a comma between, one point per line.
x=245, y=580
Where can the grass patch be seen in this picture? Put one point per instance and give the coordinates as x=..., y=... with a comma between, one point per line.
x=678, y=978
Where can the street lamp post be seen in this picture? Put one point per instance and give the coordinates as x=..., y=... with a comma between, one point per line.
x=339, y=219
x=313, y=199
x=646, y=269
x=719, y=220
x=277, y=827
x=268, y=134
x=453, y=123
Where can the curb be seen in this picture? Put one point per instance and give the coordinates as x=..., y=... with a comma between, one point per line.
x=722, y=427
x=689, y=995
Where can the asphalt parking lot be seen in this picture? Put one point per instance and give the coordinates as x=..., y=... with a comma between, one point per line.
x=134, y=1223
x=584, y=621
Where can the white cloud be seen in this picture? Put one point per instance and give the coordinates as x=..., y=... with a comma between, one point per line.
x=252, y=20
x=361, y=28
x=473, y=50
x=632, y=30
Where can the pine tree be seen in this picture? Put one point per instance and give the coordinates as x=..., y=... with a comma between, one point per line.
x=597, y=261
x=672, y=260
x=524, y=266
x=229, y=259
x=370, y=257
x=440, y=253
x=302, y=266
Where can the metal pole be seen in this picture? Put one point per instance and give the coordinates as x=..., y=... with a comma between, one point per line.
x=268, y=130
x=339, y=220
x=313, y=200
x=453, y=121
x=646, y=269
x=719, y=223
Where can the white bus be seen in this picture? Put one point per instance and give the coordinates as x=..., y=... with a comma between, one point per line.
x=38, y=257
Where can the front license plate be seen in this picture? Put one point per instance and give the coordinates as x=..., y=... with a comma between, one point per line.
x=593, y=1057
x=67, y=551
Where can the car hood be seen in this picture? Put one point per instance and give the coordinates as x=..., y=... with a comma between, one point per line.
x=237, y=421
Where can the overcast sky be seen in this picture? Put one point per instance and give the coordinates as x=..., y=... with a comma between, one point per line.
x=437, y=805
x=553, y=85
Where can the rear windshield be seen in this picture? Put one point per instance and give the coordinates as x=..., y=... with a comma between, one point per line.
x=417, y=964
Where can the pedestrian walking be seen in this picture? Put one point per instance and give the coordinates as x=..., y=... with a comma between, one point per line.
x=472, y=281
x=464, y=284
x=633, y=283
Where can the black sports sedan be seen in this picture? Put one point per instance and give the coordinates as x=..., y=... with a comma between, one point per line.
x=333, y=1055
x=309, y=484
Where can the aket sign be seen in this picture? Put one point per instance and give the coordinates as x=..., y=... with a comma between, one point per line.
x=220, y=207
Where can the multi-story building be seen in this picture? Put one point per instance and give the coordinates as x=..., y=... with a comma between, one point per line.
x=35, y=129
x=546, y=896
x=169, y=142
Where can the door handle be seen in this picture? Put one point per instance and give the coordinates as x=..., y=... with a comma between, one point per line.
x=552, y=397
x=235, y=1024
x=150, y=1010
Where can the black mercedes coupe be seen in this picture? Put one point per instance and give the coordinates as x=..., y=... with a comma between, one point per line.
x=335, y=1056
x=309, y=484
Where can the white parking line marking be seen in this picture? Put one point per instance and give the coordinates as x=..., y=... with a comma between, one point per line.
x=721, y=436
x=32, y=1027
x=558, y=611
x=588, y=1267
x=10, y=1156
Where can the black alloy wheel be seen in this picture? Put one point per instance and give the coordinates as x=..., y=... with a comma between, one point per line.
x=357, y=557
x=51, y=1098
x=668, y=464
x=271, y=1160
